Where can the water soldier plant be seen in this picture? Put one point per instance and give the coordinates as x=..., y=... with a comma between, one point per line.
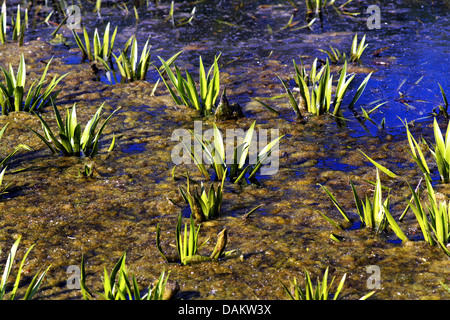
x=117, y=285
x=316, y=90
x=372, y=213
x=35, y=283
x=440, y=152
x=12, y=95
x=102, y=51
x=435, y=220
x=204, y=205
x=320, y=292
x=73, y=142
x=128, y=65
x=185, y=91
x=187, y=244
x=239, y=167
x=17, y=25
x=357, y=50
x=132, y=69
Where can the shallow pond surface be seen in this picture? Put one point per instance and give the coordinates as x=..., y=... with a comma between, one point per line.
x=132, y=189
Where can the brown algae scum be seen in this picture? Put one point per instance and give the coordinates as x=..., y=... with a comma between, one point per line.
x=134, y=187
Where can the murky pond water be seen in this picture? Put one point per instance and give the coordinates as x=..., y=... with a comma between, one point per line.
x=132, y=190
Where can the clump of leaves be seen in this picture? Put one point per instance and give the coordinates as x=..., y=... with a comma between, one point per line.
x=435, y=220
x=73, y=142
x=440, y=152
x=310, y=292
x=187, y=244
x=321, y=291
x=238, y=168
x=12, y=95
x=356, y=51
x=117, y=284
x=205, y=204
x=316, y=90
x=35, y=283
x=185, y=92
x=372, y=213
x=101, y=51
x=17, y=25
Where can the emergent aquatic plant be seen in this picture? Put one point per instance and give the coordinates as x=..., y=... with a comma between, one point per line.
x=357, y=50
x=317, y=96
x=132, y=67
x=102, y=51
x=320, y=292
x=205, y=205
x=185, y=91
x=440, y=153
x=117, y=285
x=73, y=142
x=17, y=25
x=435, y=221
x=443, y=108
x=188, y=246
x=128, y=64
x=372, y=213
x=33, y=287
x=12, y=95
x=237, y=168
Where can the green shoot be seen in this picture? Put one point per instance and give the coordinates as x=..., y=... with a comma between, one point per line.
x=435, y=221
x=102, y=51
x=18, y=26
x=310, y=292
x=215, y=155
x=129, y=66
x=187, y=244
x=35, y=282
x=372, y=213
x=12, y=95
x=73, y=142
x=185, y=91
x=357, y=49
x=117, y=284
x=316, y=90
x=205, y=205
